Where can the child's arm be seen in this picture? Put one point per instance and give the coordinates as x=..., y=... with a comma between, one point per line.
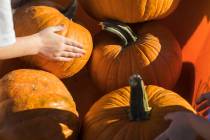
x=183, y=122
x=200, y=126
x=47, y=43
x=185, y=125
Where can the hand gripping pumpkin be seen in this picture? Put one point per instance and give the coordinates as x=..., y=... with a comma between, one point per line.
x=135, y=113
x=129, y=11
x=152, y=52
x=31, y=19
x=41, y=107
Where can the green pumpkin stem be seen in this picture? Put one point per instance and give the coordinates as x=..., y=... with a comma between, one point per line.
x=123, y=31
x=71, y=11
x=139, y=106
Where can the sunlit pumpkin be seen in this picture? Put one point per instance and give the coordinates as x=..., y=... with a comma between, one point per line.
x=132, y=113
x=31, y=19
x=41, y=107
x=151, y=51
x=129, y=11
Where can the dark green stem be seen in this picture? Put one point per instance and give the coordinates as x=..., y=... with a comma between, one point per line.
x=71, y=11
x=123, y=31
x=139, y=106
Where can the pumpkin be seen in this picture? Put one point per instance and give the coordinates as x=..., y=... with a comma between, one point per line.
x=41, y=108
x=152, y=52
x=129, y=11
x=87, y=21
x=81, y=16
x=36, y=18
x=194, y=36
x=132, y=113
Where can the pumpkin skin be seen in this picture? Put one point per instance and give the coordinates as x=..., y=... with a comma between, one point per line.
x=156, y=56
x=87, y=21
x=108, y=118
x=41, y=105
x=36, y=18
x=129, y=11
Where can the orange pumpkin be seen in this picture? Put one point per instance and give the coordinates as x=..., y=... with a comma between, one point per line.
x=36, y=18
x=41, y=107
x=135, y=113
x=87, y=21
x=152, y=52
x=129, y=11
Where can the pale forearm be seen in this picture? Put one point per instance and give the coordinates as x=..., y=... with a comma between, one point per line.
x=24, y=46
x=201, y=126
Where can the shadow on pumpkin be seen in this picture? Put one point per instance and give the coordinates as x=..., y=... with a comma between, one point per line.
x=40, y=124
x=187, y=17
x=118, y=117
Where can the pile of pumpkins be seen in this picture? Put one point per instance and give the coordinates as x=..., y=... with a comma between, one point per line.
x=133, y=62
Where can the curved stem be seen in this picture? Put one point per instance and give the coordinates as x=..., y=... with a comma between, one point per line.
x=71, y=11
x=123, y=31
x=139, y=106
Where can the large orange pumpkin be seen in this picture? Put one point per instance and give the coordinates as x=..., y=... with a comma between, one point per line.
x=152, y=52
x=41, y=108
x=194, y=36
x=129, y=11
x=135, y=113
x=36, y=18
x=87, y=21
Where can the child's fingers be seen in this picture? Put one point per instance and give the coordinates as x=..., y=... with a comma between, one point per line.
x=203, y=106
x=70, y=55
x=73, y=43
x=206, y=112
x=74, y=49
x=202, y=98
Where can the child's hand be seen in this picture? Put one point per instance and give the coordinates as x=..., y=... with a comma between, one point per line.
x=204, y=103
x=179, y=128
x=57, y=47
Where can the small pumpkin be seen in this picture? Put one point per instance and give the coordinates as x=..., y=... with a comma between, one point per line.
x=129, y=11
x=132, y=113
x=152, y=52
x=41, y=108
x=36, y=18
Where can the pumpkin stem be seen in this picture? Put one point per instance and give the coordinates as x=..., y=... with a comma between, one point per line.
x=123, y=31
x=139, y=106
x=71, y=11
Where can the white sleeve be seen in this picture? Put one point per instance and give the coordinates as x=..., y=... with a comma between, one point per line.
x=7, y=33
